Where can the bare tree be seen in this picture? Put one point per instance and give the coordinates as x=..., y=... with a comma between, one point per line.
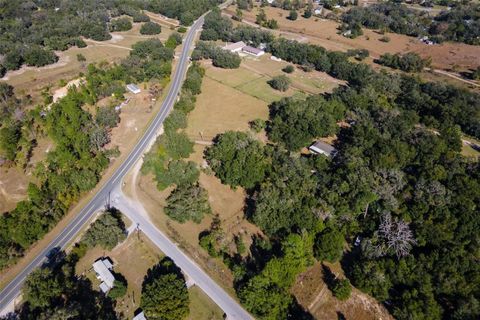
x=397, y=235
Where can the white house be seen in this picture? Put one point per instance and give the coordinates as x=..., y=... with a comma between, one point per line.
x=235, y=47
x=133, y=88
x=253, y=51
x=321, y=147
x=103, y=269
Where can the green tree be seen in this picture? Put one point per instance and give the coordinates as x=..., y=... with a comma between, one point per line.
x=237, y=159
x=41, y=288
x=188, y=202
x=119, y=289
x=293, y=15
x=165, y=295
x=107, y=231
x=120, y=24
x=342, y=289
x=329, y=245
x=150, y=28
x=280, y=83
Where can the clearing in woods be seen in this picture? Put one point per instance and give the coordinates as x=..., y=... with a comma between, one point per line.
x=446, y=56
x=132, y=259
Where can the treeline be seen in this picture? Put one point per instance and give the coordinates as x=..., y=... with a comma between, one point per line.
x=32, y=30
x=406, y=192
x=76, y=164
x=461, y=23
x=188, y=201
x=437, y=104
x=408, y=62
x=397, y=187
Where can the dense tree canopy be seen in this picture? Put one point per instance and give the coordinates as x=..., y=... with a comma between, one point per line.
x=297, y=122
x=164, y=293
x=237, y=159
x=188, y=202
x=107, y=231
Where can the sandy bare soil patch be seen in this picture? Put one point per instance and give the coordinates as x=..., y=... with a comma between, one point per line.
x=313, y=293
x=13, y=188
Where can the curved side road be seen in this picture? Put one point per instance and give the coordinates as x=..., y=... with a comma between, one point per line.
x=136, y=212
x=12, y=290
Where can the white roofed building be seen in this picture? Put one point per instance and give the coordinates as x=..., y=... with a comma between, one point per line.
x=253, y=51
x=235, y=47
x=321, y=147
x=103, y=271
x=133, y=88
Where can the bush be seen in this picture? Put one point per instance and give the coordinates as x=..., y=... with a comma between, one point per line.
x=120, y=24
x=182, y=29
x=119, y=288
x=384, y=39
x=81, y=57
x=288, y=69
x=293, y=15
x=280, y=83
x=150, y=28
x=3, y=70
x=342, y=289
x=257, y=125
x=174, y=40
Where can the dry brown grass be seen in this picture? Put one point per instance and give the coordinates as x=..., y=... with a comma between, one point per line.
x=324, y=32
x=132, y=259
x=13, y=188
x=313, y=293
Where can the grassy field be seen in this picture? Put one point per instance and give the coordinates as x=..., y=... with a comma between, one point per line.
x=325, y=33
x=132, y=259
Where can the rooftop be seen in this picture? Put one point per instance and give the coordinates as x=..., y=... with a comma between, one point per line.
x=102, y=268
x=322, y=147
x=235, y=46
x=252, y=50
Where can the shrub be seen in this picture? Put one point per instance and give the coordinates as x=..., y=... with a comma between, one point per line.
x=257, y=125
x=174, y=40
x=289, y=69
x=342, y=289
x=293, y=15
x=182, y=29
x=119, y=288
x=329, y=245
x=3, y=70
x=150, y=28
x=120, y=24
x=81, y=57
x=140, y=17
x=280, y=83
x=384, y=39
x=39, y=57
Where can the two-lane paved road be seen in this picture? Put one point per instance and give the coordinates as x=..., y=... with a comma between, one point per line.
x=136, y=212
x=12, y=290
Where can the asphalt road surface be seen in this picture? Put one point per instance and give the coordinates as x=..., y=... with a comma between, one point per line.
x=232, y=308
x=135, y=212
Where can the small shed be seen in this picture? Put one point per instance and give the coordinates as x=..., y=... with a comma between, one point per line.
x=253, y=51
x=321, y=147
x=133, y=88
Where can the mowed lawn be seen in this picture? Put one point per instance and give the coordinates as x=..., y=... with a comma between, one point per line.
x=220, y=108
x=132, y=259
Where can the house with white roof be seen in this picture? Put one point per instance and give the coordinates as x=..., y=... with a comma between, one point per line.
x=133, y=88
x=321, y=147
x=235, y=47
x=103, y=270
